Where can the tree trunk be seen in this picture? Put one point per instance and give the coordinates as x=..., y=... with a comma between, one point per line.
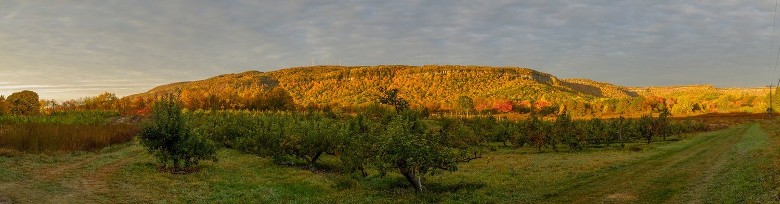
x=175, y=164
x=413, y=179
x=363, y=171
x=314, y=160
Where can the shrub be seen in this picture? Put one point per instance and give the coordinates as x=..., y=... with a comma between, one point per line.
x=168, y=137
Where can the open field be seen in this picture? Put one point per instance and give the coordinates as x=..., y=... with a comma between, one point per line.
x=738, y=164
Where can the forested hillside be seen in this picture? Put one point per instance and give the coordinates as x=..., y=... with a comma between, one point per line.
x=708, y=99
x=439, y=87
x=435, y=87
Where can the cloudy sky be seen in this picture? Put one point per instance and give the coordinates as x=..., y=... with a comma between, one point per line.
x=70, y=49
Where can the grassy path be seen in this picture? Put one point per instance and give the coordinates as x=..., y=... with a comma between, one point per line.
x=67, y=179
x=679, y=175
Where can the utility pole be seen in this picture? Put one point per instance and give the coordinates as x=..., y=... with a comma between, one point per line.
x=770, y=110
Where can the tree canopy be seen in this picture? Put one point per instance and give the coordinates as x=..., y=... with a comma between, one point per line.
x=23, y=103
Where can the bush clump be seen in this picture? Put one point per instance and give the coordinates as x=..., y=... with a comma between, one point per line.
x=168, y=136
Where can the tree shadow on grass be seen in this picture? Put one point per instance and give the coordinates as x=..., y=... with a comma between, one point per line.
x=316, y=168
x=396, y=182
x=433, y=192
x=459, y=187
x=167, y=169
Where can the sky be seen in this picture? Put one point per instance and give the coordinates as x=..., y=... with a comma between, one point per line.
x=69, y=49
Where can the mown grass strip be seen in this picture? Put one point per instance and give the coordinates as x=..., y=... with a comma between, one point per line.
x=742, y=179
x=654, y=178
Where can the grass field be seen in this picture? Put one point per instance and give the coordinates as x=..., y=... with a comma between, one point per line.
x=738, y=164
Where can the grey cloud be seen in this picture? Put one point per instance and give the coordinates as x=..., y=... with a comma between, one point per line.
x=635, y=43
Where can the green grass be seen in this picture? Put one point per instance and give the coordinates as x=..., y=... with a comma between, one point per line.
x=721, y=167
x=745, y=177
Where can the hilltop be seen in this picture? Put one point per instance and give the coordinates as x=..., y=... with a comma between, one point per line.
x=431, y=85
x=437, y=87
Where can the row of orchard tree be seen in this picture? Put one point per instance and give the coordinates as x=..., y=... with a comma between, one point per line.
x=402, y=141
x=385, y=138
x=580, y=134
x=635, y=106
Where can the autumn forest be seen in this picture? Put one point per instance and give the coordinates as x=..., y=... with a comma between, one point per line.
x=443, y=89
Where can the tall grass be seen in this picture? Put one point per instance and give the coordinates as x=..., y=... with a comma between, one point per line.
x=72, y=117
x=55, y=137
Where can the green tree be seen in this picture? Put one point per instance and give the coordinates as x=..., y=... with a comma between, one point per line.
x=267, y=136
x=465, y=104
x=505, y=131
x=310, y=137
x=23, y=103
x=661, y=125
x=486, y=127
x=520, y=135
x=619, y=129
x=536, y=132
x=358, y=146
x=390, y=97
x=597, y=132
x=564, y=128
x=168, y=137
x=409, y=147
x=279, y=99
x=644, y=127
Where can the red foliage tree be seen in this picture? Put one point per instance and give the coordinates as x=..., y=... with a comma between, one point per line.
x=503, y=106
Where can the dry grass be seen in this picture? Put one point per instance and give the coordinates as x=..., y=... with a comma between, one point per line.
x=51, y=137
